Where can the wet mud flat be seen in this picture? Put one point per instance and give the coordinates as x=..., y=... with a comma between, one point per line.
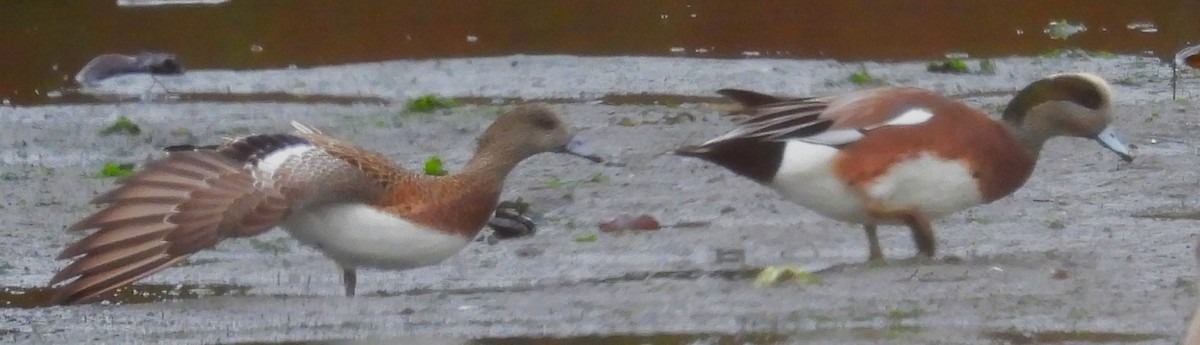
x=1091, y=250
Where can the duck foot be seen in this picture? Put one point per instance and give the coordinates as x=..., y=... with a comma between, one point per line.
x=350, y=280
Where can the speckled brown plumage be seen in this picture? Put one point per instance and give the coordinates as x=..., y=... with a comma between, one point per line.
x=197, y=196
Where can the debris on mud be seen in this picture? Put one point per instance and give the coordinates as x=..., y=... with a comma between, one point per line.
x=773, y=275
x=123, y=125
x=1059, y=273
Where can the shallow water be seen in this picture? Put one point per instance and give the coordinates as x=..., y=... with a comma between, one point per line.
x=46, y=42
x=885, y=335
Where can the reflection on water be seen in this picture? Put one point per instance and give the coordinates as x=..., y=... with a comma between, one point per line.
x=1059, y=337
x=46, y=42
x=655, y=339
x=34, y=297
x=895, y=334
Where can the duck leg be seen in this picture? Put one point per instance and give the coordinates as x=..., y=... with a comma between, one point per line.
x=873, y=241
x=877, y=211
x=922, y=233
x=350, y=280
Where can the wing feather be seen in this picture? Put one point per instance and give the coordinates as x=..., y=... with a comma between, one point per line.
x=833, y=121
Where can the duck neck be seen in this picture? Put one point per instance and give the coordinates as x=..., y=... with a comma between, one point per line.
x=493, y=163
x=1030, y=136
x=464, y=201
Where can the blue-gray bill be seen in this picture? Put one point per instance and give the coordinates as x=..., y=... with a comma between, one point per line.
x=1108, y=138
x=580, y=148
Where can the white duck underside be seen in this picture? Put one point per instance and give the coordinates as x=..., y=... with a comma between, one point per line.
x=357, y=235
x=936, y=187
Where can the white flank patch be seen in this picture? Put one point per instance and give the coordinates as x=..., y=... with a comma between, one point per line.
x=356, y=235
x=269, y=164
x=806, y=177
x=935, y=186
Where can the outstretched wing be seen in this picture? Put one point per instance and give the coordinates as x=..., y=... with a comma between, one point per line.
x=833, y=121
x=192, y=199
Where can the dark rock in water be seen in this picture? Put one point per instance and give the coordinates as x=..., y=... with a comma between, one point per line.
x=108, y=65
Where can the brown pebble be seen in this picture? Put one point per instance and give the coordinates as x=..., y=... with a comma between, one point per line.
x=1059, y=273
x=628, y=222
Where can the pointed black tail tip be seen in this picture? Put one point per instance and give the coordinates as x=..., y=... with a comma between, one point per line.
x=57, y=299
x=690, y=151
x=727, y=91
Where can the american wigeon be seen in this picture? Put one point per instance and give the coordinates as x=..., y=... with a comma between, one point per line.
x=902, y=155
x=353, y=205
x=108, y=65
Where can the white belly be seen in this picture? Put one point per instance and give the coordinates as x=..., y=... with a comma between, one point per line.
x=356, y=235
x=933, y=186
x=806, y=177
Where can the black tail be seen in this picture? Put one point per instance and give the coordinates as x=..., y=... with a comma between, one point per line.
x=692, y=151
x=757, y=160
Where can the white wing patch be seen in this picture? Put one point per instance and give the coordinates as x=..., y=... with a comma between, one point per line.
x=845, y=136
x=306, y=129
x=834, y=137
x=272, y=161
x=910, y=117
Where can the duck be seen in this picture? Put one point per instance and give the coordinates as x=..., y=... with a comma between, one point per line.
x=351, y=204
x=901, y=155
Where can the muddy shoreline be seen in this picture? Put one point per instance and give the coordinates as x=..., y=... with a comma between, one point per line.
x=1129, y=268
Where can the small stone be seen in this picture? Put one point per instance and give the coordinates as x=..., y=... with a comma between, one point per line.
x=628, y=222
x=678, y=118
x=731, y=255
x=1059, y=273
x=528, y=252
